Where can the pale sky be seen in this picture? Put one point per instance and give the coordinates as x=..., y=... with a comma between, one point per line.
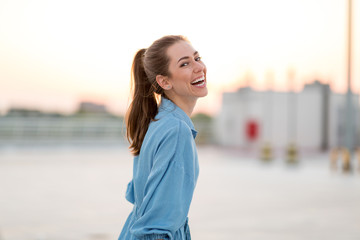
x=54, y=54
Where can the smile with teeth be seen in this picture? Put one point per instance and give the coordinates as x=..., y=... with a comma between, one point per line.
x=199, y=81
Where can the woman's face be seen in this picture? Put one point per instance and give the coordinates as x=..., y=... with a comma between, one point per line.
x=187, y=79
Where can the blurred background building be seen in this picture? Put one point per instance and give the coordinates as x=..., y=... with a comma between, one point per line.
x=90, y=123
x=313, y=119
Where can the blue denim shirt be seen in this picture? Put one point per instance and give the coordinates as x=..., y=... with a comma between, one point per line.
x=164, y=178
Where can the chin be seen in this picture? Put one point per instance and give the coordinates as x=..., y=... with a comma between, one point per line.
x=204, y=93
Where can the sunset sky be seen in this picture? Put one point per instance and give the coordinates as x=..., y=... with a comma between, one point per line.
x=54, y=54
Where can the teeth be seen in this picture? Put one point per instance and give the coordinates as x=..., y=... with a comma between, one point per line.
x=201, y=84
x=198, y=80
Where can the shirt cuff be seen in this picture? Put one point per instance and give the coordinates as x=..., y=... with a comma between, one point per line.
x=155, y=237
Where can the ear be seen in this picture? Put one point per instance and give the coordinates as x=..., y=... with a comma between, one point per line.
x=163, y=82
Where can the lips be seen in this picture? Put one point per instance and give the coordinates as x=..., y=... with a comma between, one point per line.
x=199, y=81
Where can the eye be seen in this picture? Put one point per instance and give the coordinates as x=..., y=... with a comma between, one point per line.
x=184, y=64
x=198, y=59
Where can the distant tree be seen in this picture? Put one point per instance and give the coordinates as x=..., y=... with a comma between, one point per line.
x=203, y=124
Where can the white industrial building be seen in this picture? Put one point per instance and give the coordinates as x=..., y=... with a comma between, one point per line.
x=312, y=119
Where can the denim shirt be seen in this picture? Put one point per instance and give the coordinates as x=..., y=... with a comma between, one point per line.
x=164, y=178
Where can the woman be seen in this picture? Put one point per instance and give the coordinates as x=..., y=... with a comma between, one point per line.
x=162, y=137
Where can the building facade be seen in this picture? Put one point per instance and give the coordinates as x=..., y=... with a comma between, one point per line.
x=312, y=119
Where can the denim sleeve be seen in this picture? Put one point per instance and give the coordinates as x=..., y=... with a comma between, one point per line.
x=130, y=192
x=169, y=187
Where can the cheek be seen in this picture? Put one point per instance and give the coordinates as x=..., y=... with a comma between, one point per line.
x=182, y=83
x=181, y=77
x=184, y=76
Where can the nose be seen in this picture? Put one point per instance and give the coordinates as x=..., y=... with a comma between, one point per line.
x=199, y=67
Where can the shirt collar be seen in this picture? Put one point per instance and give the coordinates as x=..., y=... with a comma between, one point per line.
x=168, y=106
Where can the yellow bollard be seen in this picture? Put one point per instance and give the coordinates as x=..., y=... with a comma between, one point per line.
x=292, y=154
x=346, y=167
x=334, y=155
x=266, y=152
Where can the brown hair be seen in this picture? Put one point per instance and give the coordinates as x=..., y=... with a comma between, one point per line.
x=147, y=64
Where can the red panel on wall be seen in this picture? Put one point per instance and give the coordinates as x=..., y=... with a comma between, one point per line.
x=252, y=130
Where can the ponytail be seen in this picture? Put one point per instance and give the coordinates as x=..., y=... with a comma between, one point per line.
x=147, y=64
x=143, y=107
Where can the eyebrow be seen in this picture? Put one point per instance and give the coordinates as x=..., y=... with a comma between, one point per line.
x=196, y=52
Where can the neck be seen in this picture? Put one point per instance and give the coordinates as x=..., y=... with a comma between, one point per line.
x=187, y=105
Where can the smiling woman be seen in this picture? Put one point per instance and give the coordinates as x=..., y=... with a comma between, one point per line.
x=187, y=79
x=162, y=137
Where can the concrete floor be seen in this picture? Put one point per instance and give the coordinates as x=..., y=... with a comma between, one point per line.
x=77, y=193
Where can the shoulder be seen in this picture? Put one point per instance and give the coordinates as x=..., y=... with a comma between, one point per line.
x=167, y=134
x=170, y=125
x=165, y=140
